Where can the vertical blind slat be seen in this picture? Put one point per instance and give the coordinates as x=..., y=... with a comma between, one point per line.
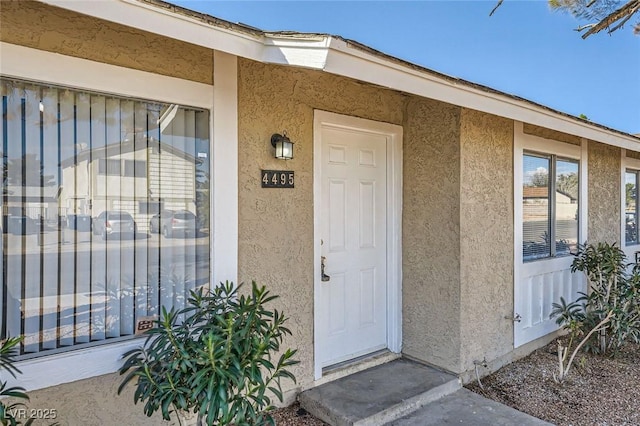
x=97, y=191
x=32, y=192
x=141, y=196
x=66, y=253
x=113, y=140
x=3, y=245
x=79, y=207
x=15, y=209
x=50, y=239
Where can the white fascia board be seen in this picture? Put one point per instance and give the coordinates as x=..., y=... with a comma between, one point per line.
x=355, y=63
x=335, y=56
x=155, y=20
x=308, y=52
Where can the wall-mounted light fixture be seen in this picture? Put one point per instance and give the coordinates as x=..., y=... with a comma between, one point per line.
x=283, y=146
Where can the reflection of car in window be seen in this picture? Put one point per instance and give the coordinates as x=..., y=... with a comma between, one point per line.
x=172, y=223
x=631, y=228
x=114, y=222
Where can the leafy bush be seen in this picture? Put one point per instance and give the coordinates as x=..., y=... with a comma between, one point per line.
x=613, y=291
x=7, y=412
x=213, y=358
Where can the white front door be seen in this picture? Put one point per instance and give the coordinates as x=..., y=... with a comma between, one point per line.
x=353, y=226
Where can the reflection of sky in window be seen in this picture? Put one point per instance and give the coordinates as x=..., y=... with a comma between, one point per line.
x=534, y=165
x=564, y=167
x=630, y=178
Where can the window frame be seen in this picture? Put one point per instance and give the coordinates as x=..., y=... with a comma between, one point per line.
x=628, y=164
x=221, y=100
x=552, y=191
x=524, y=142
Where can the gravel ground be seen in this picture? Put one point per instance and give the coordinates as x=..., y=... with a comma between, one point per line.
x=599, y=391
x=295, y=416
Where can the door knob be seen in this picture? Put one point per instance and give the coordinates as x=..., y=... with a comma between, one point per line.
x=324, y=277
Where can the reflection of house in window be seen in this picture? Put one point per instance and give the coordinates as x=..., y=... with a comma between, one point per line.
x=136, y=177
x=109, y=167
x=536, y=200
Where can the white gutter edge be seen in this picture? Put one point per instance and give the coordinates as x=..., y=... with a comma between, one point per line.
x=358, y=64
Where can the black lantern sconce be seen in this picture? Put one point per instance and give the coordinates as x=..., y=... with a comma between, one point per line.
x=283, y=146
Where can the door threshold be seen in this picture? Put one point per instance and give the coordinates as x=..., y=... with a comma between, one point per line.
x=364, y=362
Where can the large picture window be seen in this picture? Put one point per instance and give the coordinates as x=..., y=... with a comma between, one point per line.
x=550, y=201
x=82, y=261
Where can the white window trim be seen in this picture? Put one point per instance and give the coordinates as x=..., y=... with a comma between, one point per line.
x=626, y=163
x=524, y=142
x=221, y=100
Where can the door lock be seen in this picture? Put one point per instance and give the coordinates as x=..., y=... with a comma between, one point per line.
x=324, y=277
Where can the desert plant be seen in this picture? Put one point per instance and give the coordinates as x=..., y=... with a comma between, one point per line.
x=611, y=288
x=213, y=358
x=571, y=316
x=8, y=412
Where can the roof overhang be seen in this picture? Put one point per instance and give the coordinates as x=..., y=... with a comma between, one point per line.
x=338, y=56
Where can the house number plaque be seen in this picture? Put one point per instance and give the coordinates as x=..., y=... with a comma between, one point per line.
x=277, y=179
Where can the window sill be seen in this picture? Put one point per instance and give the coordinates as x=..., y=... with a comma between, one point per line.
x=51, y=370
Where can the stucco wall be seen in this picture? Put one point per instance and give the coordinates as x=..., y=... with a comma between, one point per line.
x=431, y=234
x=604, y=193
x=486, y=236
x=276, y=225
x=44, y=27
x=93, y=402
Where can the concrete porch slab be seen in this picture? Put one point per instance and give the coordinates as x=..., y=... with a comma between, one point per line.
x=378, y=395
x=467, y=408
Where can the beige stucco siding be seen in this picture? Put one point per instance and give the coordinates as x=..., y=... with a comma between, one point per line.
x=275, y=243
x=44, y=27
x=93, y=402
x=486, y=236
x=604, y=193
x=431, y=234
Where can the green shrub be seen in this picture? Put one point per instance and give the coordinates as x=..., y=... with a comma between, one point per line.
x=7, y=412
x=213, y=358
x=613, y=291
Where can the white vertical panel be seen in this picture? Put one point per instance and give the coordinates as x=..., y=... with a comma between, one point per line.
x=125, y=246
x=338, y=306
x=15, y=272
x=97, y=189
x=549, y=283
x=367, y=297
x=337, y=215
x=33, y=180
x=114, y=137
x=367, y=214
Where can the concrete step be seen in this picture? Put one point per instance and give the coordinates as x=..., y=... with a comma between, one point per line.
x=466, y=408
x=378, y=395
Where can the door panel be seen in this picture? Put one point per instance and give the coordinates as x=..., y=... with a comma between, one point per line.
x=352, y=315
